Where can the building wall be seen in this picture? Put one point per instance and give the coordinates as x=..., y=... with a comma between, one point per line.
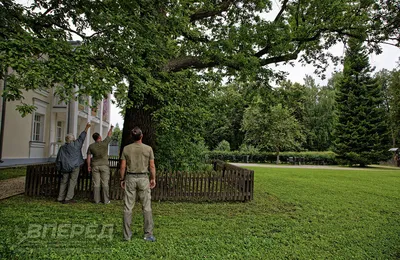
x=17, y=142
x=18, y=146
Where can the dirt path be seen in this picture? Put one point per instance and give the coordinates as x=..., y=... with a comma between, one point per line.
x=374, y=167
x=11, y=187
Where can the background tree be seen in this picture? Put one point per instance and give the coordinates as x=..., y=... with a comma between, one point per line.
x=117, y=135
x=293, y=97
x=319, y=115
x=394, y=104
x=272, y=128
x=389, y=81
x=362, y=130
x=227, y=105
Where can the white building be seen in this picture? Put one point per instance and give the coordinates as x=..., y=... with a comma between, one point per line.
x=37, y=137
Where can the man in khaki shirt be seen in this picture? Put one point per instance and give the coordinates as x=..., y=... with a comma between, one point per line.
x=99, y=166
x=138, y=158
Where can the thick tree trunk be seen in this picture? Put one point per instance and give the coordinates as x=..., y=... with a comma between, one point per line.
x=142, y=117
x=277, y=157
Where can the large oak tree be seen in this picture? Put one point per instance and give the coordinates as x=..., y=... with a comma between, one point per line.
x=150, y=50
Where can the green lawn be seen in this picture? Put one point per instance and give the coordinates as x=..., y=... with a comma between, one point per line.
x=296, y=214
x=8, y=173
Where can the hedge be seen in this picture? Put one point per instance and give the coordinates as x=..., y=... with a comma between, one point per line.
x=313, y=158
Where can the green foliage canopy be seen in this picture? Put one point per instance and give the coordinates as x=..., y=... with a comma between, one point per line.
x=141, y=39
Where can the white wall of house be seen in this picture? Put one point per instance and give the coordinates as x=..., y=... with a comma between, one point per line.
x=36, y=138
x=26, y=137
x=17, y=133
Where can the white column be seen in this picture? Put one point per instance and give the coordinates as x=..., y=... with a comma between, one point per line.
x=88, y=140
x=67, y=119
x=73, y=117
x=101, y=118
x=109, y=109
x=52, y=133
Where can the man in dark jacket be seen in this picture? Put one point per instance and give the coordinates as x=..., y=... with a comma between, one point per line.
x=68, y=162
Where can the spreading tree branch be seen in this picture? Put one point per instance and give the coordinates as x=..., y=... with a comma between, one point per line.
x=201, y=14
x=263, y=51
x=182, y=63
x=267, y=48
x=194, y=38
x=195, y=62
x=83, y=36
x=282, y=58
x=279, y=15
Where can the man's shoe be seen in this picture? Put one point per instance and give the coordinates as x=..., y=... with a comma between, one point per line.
x=108, y=202
x=61, y=201
x=150, y=239
x=69, y=201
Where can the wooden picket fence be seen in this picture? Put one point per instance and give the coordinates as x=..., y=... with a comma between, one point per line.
x=225, y=183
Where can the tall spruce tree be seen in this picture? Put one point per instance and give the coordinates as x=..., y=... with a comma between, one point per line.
x=362, y=130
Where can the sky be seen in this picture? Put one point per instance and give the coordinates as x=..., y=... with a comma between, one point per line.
x=116, y=117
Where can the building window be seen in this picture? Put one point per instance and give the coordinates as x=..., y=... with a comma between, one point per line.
x=59, y=131
x=82, y=104
x=38, y=125
x=106, y=109
x=43, y=92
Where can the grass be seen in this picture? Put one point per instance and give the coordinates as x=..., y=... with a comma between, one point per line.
x=296, y=214
x=8, y=173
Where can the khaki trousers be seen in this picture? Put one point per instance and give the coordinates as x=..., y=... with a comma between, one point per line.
x=141, y=185
x=68, y=180
x=101, y=177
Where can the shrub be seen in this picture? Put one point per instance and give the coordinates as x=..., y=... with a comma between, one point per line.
x=223, y=146
x=314, y=158
x=248, y=148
